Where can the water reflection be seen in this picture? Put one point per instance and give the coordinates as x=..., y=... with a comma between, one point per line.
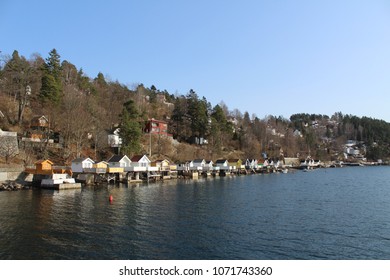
x=325, y=214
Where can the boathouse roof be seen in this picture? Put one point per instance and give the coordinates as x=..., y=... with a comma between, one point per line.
x=76, y=160
x=116, y=158
x=137, y=158
x=221, y=161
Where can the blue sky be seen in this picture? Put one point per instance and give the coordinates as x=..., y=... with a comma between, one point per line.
x=265, y=57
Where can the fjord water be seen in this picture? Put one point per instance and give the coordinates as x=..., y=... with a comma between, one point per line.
x=323, y=214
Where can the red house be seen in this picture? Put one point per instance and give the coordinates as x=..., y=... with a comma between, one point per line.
x=157, y=127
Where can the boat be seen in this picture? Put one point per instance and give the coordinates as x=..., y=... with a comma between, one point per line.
x=310, y=163
x=60, y=181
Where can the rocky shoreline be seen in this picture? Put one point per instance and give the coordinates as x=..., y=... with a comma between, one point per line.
x=13, y=186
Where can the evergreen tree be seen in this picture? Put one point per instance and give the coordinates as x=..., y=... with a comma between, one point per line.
x=53, y=65
x=51, y=80
x=100, y=80
x=180, y=123
x=18, y=76
x=130, y=129
x=198, y=114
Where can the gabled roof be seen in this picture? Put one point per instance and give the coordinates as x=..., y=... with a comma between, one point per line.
x=77, y=160
x=233, y=160
x=36, y=118
x=137, y=158
x=221, y=161
x=117, y=158
x=161, y=160
x=198, y=160
x=44, y=160
x=39, y=117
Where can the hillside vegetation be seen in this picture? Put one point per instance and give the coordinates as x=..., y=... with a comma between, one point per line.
x=82, y=111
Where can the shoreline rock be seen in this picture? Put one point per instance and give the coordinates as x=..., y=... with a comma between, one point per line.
x=12, y=186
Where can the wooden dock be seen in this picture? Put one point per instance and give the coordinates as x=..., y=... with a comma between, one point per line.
x=62, y=186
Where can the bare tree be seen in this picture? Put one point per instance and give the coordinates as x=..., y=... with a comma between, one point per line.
x=8, y=146
x=75, y=121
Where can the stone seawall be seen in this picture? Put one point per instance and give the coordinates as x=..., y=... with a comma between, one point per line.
x=12, y=174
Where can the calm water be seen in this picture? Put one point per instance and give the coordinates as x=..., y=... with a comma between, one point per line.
x=324, y=214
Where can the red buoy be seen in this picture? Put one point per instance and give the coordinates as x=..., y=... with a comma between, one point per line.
x=110, y=199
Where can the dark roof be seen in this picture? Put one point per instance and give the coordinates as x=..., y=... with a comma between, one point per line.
x=136, y=158
x=79, y=160
x=116, y=158
x=221, y=161
x=198, y=160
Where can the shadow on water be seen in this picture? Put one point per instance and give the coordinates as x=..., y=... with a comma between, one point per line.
x=324, y=214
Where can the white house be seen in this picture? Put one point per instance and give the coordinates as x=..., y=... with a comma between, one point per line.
x=222, y=164
x=183, y=166
x=141, y=163
x=297, y=133
x=114, y=140
x=209, y=165
x=197, y=164
x=79, y=164
x=119, y=161
x=251, y=163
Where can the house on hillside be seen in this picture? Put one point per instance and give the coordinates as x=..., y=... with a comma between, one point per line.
x=39, y=123
x=39, y=131
x=114, y=140
x=39, y=126
x=157, y=127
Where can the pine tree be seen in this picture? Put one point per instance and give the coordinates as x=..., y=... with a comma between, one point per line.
x=18, y=76
x=51, y=80
x=130, y=129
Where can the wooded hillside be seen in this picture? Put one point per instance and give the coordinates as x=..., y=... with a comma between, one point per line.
x=82, y=111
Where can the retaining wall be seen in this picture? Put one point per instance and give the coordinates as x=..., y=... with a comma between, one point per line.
x=12, y=174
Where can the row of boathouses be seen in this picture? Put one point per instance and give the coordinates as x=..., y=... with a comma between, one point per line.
x=140, y=167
